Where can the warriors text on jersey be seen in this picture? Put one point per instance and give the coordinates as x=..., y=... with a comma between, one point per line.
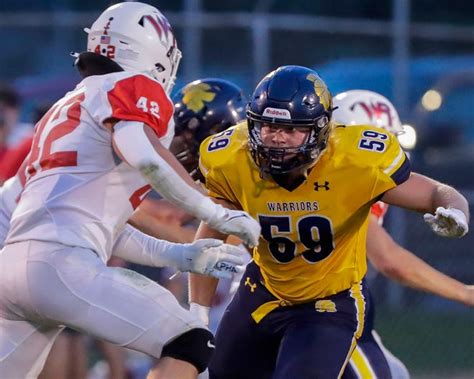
x=78, y=192
x=313, y=238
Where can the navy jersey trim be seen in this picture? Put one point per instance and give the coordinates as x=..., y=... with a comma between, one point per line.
x=403, y=172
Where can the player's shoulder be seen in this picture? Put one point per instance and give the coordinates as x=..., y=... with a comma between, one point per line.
x=132, y=82
x=128, y=96
x=225, y=148
x=365, y=145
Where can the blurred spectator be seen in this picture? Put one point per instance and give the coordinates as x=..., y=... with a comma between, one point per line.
x=15, y=137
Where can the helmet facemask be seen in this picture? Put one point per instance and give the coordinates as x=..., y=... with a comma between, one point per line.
x=285, y=160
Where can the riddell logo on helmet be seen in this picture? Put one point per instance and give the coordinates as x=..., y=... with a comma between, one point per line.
x=277, y=113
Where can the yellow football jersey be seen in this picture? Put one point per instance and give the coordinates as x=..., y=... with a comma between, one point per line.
x=313, y=237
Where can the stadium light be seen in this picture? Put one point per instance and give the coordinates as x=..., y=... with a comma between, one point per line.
x=431, y=100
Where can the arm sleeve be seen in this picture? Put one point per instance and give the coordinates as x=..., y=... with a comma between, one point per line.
x=163, y=178
x=137, y=247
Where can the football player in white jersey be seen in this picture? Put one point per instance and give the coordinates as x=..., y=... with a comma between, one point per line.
x=371, y=358
x=93, y=158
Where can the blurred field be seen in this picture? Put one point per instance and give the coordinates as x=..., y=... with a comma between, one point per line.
x=432, y=344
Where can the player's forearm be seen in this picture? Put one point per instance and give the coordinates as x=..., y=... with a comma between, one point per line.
x=411, y=271
x=137, y=247
x=168, y=231
x=447, y=197
x=162, y=170
x=202, y=289
x=424, y=194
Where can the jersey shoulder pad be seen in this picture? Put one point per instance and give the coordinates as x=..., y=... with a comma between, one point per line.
x=372, y=148
x=223, y=149
x=131, y=97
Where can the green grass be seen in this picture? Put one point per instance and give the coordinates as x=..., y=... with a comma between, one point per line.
x=431, y=344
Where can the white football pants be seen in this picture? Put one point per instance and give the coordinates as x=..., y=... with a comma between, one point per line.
x=46, y=286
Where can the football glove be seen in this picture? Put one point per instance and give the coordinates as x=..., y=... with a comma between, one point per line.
x=235, y=222
x=210, y=257
x=447, y=222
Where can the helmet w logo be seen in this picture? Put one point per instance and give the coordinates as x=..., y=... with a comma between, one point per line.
x=321, y=90
x=196, y=96
x=375, y=111
x=161, y=26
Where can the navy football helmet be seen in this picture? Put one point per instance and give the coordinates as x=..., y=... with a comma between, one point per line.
x=204, y=107
x=290, y=96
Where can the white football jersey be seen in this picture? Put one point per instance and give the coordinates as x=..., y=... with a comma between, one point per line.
x=78, y=192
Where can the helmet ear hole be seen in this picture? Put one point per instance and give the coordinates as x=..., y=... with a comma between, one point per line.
x=159, y=67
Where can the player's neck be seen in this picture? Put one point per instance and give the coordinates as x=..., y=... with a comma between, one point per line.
x=290, y=181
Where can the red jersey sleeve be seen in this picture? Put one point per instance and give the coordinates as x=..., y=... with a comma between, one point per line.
x=379, y=209
x=139, y=98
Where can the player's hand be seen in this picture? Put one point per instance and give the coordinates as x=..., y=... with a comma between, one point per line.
x=238, y=223
x=447, y=222
x=212, y=257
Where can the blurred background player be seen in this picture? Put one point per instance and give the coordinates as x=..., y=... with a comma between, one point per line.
x=15, y=136
x=110, y=136
x=295, y=312
x=371, y=359
x=202, y=108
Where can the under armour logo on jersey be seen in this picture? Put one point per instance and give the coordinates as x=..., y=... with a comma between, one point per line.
x=252, y=286
x=317, y=186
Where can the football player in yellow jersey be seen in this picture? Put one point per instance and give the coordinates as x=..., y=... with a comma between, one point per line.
x=371, y=359
x=301, y=304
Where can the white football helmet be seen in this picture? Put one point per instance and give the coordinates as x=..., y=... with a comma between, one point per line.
x=358, y=107
x=139, y=38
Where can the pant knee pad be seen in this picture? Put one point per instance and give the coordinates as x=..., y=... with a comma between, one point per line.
x=195, y=346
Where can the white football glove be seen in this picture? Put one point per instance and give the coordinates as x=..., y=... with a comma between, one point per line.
x=447, y=222
x=211, y=257
x=234, y=222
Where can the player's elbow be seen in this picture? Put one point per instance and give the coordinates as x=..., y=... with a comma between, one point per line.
x=147, y=167
x=392, y=269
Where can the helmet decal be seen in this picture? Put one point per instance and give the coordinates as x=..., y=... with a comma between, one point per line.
x=107, y=26
x=161, y=25
x=196, y=96
x=356, y=107
x=321, y=90
x=375, y=110
x=283, y=114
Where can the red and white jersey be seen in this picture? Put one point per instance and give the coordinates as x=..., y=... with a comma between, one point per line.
x=379, y=209
x=78, y=192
